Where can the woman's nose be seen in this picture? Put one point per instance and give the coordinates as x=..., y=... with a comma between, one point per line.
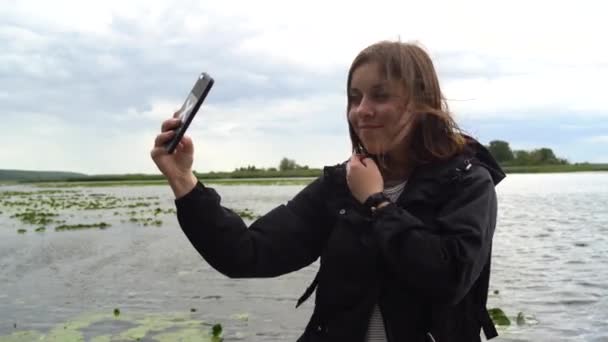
x=365, y=107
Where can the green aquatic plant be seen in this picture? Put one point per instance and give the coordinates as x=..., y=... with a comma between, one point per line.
x=161, y=328
x=64, y=227
x=40, y=229
x=35, y=218
x=246, y=214
x=157, y=211
x=216, y=331
x=138, y=204
x=498, y=317
x=21, y=231
x=20, y=336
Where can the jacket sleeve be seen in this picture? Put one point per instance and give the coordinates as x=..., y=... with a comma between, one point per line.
x=287, y=238
x=442, y=265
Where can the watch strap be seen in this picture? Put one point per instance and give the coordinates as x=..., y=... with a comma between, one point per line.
x=374, y=200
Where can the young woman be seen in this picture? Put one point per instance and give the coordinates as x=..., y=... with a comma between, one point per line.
x=403, y=228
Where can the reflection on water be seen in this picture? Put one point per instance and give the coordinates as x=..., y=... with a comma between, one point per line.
x=550, y=252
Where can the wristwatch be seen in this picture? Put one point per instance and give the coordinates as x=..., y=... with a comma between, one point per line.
x=373, y=201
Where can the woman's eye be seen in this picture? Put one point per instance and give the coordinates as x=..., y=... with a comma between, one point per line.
x=354, y=98
x=381, y=96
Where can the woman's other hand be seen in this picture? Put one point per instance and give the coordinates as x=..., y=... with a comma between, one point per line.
x=363, y=177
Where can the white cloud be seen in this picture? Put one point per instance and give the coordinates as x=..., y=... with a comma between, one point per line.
x=280, y=69
x=603, y=139
x=577, y=92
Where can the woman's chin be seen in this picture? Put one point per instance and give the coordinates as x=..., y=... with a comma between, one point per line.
x=373, y=149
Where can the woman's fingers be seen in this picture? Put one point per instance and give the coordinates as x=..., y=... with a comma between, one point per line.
x=170, y=124
x=187, y=143
x=163, y=138
x=354, y=160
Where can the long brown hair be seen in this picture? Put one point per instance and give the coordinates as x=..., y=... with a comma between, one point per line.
x=435, y=135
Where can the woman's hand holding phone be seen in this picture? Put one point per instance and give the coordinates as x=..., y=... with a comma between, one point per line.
x=177, y=166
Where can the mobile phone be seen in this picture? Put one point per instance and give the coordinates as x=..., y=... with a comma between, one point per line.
x=190, y=108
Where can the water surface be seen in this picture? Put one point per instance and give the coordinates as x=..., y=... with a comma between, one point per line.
x=550, y=257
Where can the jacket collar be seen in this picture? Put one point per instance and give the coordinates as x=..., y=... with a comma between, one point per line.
x=441, y=171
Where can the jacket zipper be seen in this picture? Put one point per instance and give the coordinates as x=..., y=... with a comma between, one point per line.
x=389, y=337
x=387, y=329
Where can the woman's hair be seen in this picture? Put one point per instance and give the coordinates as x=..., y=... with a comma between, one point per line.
x=435, y=135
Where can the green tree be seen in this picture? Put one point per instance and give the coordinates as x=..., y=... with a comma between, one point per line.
x=501, y=151
x=287, y=164
x=543, y=156
x=522, y=157
x=540, y=156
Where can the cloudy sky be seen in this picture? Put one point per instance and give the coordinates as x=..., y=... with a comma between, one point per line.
x=84, y=85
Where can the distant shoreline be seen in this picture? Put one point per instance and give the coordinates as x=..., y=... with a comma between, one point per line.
x=291, y=177
x=556, y=168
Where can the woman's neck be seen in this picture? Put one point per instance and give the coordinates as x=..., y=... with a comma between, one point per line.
x=396, y=168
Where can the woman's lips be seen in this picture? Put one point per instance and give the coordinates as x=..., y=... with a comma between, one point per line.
x=370, y=127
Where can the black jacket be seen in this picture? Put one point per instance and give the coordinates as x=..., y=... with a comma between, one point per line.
x=425, y=259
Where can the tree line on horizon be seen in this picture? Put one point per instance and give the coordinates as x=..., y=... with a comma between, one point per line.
x=505, y=156
x=285, y=164
x=500, y=149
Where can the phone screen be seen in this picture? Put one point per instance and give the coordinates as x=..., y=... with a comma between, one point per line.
x=193, y=102
x=187, y=108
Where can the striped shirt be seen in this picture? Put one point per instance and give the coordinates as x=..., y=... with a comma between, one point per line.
x=375, y=329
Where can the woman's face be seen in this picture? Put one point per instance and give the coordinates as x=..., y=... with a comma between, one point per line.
x=377, y=110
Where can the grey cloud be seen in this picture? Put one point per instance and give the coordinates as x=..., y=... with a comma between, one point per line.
x=75, y=82
x=469, y=64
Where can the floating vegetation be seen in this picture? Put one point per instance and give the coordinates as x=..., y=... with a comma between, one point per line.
x=138, y=204
x=65, y=227
x=161, y=328
x=246, y=214
x=216, y=332
x=44, y=208
x=40, y=230
x=146, y=221
x=21, y=231
x=499, y=317
x=35, y=218
x=159, y=211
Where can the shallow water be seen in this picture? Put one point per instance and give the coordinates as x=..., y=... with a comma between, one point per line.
x=550, y=252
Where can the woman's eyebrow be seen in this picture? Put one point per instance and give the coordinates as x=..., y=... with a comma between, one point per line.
x=379, y=86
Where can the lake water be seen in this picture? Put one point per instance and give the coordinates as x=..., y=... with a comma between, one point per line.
x=550, y=263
